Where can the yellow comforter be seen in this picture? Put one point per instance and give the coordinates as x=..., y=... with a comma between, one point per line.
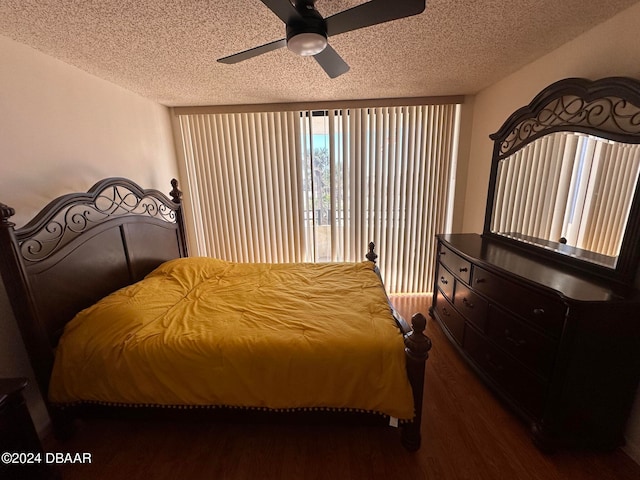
x=201, y=331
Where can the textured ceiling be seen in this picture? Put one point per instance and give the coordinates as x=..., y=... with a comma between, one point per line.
x=166, y=50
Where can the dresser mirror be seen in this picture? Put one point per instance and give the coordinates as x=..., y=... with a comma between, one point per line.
x=564, y=176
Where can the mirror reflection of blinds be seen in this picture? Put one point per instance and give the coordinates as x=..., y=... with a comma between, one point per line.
x=568, y=186
x=319, y=185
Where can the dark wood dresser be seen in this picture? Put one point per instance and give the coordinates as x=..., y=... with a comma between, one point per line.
x=559, y=346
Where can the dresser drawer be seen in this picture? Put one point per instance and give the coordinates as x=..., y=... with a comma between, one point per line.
x=544, y=311
x=445, y=282
x=448, y=315
x=533, y=349
x=472, y=306
x=455, y=263
x=527, y=389
x=557, y=344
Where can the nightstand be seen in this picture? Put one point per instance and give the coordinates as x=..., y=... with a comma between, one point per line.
x=18, y=436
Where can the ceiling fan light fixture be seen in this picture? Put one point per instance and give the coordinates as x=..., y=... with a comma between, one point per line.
x=307, y=43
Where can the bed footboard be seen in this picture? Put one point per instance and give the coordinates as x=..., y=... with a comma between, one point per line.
x=417, y=346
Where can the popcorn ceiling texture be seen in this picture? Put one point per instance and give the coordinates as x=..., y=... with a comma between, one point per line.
x=166, y=50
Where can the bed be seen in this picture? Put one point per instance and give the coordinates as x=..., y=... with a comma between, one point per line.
x=90, y=274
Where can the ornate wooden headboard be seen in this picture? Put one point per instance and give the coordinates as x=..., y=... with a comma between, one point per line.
x=80, y=248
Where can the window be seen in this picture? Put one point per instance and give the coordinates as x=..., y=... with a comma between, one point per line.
x=319, y=185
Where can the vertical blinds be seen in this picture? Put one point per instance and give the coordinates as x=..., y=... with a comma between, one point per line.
x=244, y=173
x=320, y=185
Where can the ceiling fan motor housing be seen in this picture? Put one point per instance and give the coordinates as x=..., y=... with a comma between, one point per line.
x=311, y=30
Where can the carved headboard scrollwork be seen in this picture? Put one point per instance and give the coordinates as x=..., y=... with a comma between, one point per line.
x=564, y=176
x=110, y=201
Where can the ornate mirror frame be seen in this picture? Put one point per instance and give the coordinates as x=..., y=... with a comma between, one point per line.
x=608, y=108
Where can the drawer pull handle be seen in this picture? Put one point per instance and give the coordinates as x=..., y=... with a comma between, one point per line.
x=467, y=303
x=481, y=280
x=492, y=362
x=464, y=269
x=538, y=311
x=515, y=341
x=442, y=253
x=445, y=312
x=444, y=281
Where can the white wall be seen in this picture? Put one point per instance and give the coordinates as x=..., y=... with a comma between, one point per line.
x=610, y=49
x=61, y=130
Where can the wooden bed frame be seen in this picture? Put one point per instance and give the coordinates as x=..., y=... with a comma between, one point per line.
x=83, y=246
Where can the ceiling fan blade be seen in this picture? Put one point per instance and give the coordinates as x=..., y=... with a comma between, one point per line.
x=372, y=13
x=253, y=52
x=283, y=9
x=331, y=62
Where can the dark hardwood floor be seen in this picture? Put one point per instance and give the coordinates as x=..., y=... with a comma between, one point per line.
x=467, y=434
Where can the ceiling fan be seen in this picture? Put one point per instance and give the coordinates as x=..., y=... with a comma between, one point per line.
x=307, y=31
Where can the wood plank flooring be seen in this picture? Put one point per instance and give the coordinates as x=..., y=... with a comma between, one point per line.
x=467, y=434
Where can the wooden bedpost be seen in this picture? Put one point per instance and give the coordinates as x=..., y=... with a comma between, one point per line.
x=371, y=255
x=34, y=337
x=417, y=346
x=176, y=196
x=17, y=286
